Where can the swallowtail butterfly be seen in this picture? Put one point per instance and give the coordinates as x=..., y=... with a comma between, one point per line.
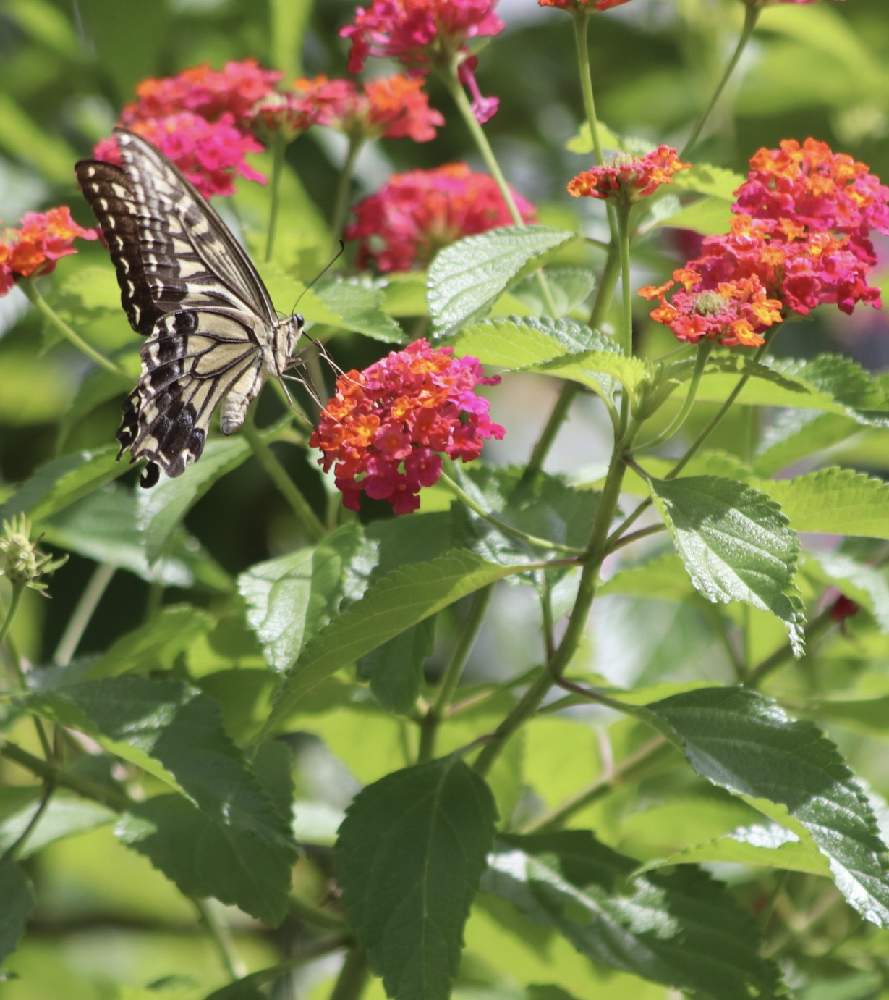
x=212, y=333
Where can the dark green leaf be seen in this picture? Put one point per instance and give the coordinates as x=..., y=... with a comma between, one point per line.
x=395, y=669
x=468, y=276
x=788, y=770
x=410, y=854
x=64, y=816
x=736, y=545
x=18, y=901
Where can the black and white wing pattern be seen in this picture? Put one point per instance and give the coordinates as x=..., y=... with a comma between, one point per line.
x=189, y=287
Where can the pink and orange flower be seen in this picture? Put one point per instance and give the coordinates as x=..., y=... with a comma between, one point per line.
x=629, y=177
x=41, y=239
x=416, y=213
x=385, y=429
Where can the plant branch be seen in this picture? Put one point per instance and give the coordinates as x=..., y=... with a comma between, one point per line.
x=221, y=938
x=675, y=425
x=82, y=613
x=344, y=190
x=815, y=627
x=353, y=977
x=10, y=853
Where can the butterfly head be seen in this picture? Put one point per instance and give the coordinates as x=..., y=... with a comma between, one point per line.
x=287, y=334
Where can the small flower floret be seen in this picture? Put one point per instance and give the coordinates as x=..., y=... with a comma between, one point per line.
x=41, y=239
x=631, y=177
x=21, y=561
x=385, y=429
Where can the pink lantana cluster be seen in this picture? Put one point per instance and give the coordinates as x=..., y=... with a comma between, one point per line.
x=39, y=241
x=200, y=119
x=629, y=177
x=416, y=213
x=800, y=238
x=424, y=34
x=384, y=430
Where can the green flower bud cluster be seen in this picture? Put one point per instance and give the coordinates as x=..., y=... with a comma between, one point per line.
x=21, y=561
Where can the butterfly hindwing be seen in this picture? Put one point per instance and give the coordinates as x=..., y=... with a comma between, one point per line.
x=189, y=287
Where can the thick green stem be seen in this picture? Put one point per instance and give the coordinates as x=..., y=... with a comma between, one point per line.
x=82, y=613
x=605, y=288
x=46, y=310
x=221, y=938
x=623, y=229
x=458, y=95
x=279, y=145
x=675, y=425
x=17, y=591
x=343, y=191
x=751, y=16
x=548, y=434
x=306, y=517
x=353, y=977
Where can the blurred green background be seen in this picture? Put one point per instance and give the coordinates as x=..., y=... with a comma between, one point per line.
x=67, y=67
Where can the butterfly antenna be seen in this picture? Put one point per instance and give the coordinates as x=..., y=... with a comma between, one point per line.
x=307, y=385
x=320, y=275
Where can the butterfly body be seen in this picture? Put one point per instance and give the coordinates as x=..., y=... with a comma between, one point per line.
x=212, y=334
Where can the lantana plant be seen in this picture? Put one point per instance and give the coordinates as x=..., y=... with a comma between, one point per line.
x=398, y=689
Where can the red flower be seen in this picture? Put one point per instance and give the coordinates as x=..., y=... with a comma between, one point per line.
x=422, y=34
x=394, y=107
x=842, y=608
x=632, y=177
x=41, y=239
x=233, y=90
x=385, y=427
x=417, y=213
x=209, y=154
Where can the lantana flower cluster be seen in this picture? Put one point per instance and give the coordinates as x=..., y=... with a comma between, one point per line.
x=385, y=429
x=40, y=240
x=800, y=238
x=416, y=213
x=423, y=35
x=629, y=177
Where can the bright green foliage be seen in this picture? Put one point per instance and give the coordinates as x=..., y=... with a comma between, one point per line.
x=19, y=901
x=410, y=855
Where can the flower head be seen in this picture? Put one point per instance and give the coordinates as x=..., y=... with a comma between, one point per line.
x=628, y=176
x=209, y=154
x=424, y=33
x=385, y=428
x=234, y=90
x=393, y=107
x=21, y=561
x=41, y=239
x=416, y=213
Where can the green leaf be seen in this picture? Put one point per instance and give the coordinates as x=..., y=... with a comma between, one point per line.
x=59, y=482
x=154, y=645
x=410, y=854
x=395, y=669
x=582, y=141
x=681, y=929
x=22, y=138
x=705, y=179
x=788, y=770
x=404, y=293
x=570, y=287
x=65, y=816
x=466, y=277
x=866, y=585
x=397, y=601
x=833, y=501
x=660, y=576
x=358, y=307
x=18, y=902
x=162, y=508
x=796, y=434
x=106, y=23
x=522, y=341
x=99, y=386
x=597, y=370
x=103, y=527
x=735, y=544
x=291, y=598
x=288, y=21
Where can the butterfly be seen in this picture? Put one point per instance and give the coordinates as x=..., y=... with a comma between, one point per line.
x=212, y=333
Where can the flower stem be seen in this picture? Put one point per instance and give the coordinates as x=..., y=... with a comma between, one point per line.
x=675, y=425
x=221, y=938
x=46, y=310
x=548, y=434
x=623, y=230
x=751, y=15
x=452, y=82
x=343, y=191
x=82, y=613
x=17, y=590
x=306, y=517
x=453, y=672
x=605, y=288
x=353, y=977
x=278, y=147
x=815, y=627
x=10, y=853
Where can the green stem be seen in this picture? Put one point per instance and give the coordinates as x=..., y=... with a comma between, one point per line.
x=48, y=313
x=453, y=672
x=10, y=853
x=279, y=145
x=815, y=627
x=353, y=977
x=547, y=435
x=306, y=517
x=623, y=229
x=675, y=425
x=82, y=613
x=751, y=16
x=605, y=288
x=507, y=529
x=458, y=95
x=221, y=938
x=344, y=190
x=17, y=590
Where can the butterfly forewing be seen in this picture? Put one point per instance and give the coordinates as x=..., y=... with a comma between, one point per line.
x=190, y=288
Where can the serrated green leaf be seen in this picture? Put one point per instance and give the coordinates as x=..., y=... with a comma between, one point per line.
x=410, y=854
x=103, y=527
x=466, y=277
x=569, y=287
x=289, y=599
x=788, y=770
x=359, y=308
x=61, y=481
x=520, y=342
x=864, y=584
x=833, y=501
x=661, y=576
x=395, y=669
x=18, y=902
x=582, y=140
x=65, y=815
x=681, y=929
x=706, y=179
x=397, y=601
x=597, y=369
x=404, y=293
x=796, y=434
x=735, y=544
x=162, y=508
